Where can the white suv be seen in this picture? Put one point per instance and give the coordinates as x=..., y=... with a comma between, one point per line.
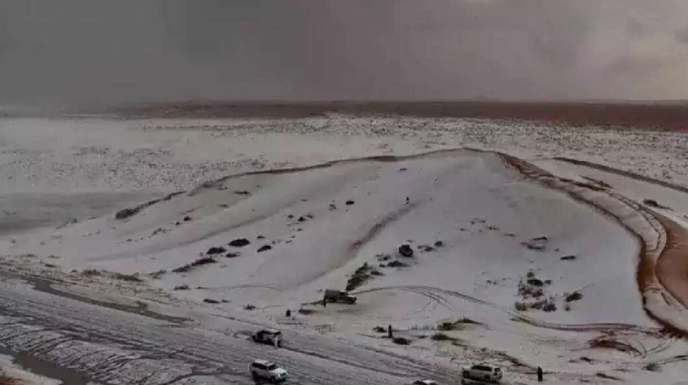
x=267, y=370
x=483, y=373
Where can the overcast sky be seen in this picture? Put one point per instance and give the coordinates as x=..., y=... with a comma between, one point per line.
x=133, y=50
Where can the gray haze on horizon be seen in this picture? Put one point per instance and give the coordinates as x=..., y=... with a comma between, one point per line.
x=94, y=51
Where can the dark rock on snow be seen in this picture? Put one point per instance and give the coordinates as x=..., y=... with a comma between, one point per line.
x=406, y=251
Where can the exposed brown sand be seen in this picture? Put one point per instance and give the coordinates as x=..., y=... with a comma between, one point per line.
x=672, y=264
x=670, y=268
x=663, y=116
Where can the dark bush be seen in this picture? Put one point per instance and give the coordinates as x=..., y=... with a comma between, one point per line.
x=216, y=250
x=575, y=296
x=240, y=242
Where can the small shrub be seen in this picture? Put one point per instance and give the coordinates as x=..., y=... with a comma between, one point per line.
x=442, y=337
x=520, y=306
x=464, y=320
x=446, y=326
x=249, y=307
x=575, y=296
x=396, y=264
x=379, y=329
x=203, y=261
x=216, y=250
x=306, y=311
x=210, y=300
x=401, y=341
x=549, y=307
x=567, y=307
x=182, y=287
x=530, y=275
x=157, y=274
x=264, y=248
x=182, y=269
x=91, y=273
x=239, y=242
x=128, y=277
x=126, y=213
x=652, y=367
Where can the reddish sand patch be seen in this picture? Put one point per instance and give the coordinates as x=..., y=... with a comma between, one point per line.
x=672, y=265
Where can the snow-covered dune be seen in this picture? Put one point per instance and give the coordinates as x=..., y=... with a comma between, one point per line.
x=535, y=267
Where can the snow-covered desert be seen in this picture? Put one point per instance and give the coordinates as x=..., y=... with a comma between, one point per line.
x=533, y=244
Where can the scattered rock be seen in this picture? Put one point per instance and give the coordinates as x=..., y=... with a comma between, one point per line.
x=439, y=244
x=333, y=207
x=520, y=306
x=376, y=273
x=242, y=192
x=210, y=300
x=379, y=329
x=383, y=257
x=549, y=307
x=535, y=282
x=349, y=202
x=249, y=307
x=240, y=242
x=511, y=235
x=302, y=219
x=290, y=216
x=406, y=250
x=426, y=248
x=232, y=255
x=538, y=243
x=260, y=237
x=181, y=287
x=568, y=258
x=216, y=250
x=187, y=219
x=652, y=367
x=305, y=311
x=401, y=341
x=264, y=248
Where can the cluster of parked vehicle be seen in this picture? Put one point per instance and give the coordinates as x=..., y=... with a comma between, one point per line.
x=272, y=372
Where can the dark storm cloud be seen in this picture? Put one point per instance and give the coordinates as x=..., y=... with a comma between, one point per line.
x=123, y=51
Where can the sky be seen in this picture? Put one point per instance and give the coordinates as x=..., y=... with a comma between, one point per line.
x=72, y=52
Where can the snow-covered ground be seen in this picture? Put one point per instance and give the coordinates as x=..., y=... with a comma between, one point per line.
x=486, y=238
